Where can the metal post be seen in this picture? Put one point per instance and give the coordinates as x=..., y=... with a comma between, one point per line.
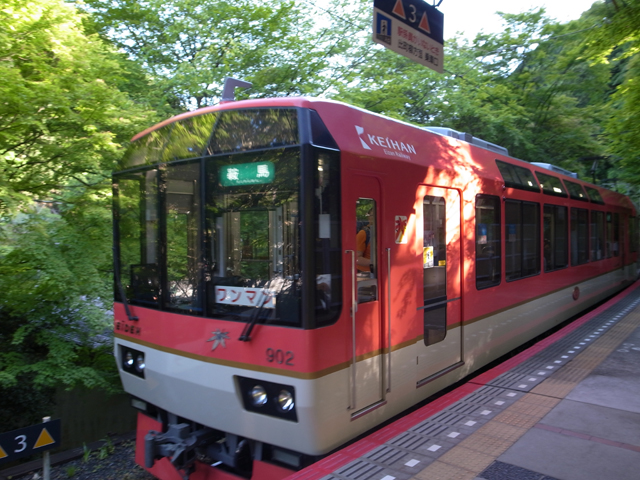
x=46, y=462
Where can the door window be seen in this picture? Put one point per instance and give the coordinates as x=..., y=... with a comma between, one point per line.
x=434, y=263
x=366, y=270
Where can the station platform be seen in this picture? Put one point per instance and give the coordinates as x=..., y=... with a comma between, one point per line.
x=568, y=408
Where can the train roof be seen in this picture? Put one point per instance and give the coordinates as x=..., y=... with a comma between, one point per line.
x=335, y=121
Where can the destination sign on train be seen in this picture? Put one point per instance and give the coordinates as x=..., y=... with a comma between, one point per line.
x=247, y=174
x=411, y=28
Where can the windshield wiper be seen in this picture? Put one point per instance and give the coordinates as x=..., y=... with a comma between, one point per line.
x=245, y=336
x=116, y=271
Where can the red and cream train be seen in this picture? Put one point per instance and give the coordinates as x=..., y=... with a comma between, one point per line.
x=244, y=332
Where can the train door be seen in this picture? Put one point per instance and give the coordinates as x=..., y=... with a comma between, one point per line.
x=440, y=349
x=362, y=258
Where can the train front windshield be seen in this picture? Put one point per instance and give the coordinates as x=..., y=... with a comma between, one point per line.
x=208, y=219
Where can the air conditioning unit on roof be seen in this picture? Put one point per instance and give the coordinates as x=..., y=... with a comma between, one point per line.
x=467, y=137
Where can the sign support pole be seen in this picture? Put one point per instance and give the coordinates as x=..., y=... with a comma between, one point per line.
x=46, y=461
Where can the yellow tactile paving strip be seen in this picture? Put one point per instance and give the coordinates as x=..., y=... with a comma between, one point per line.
x=564, y=380
x=474, y=454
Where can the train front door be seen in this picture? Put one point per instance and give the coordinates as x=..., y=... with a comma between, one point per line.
x=438, y=235
x=363, y=260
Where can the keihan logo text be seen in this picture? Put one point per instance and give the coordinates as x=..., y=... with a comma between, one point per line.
x=391, y=147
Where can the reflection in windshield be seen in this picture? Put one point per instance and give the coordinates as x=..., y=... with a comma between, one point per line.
x=182, y=213
x=208, y=219
x=214, y=133
x=137, y=227
x=252, y=231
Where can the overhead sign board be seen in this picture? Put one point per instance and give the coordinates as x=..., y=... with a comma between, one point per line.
x=411, y=28
x=29, y=441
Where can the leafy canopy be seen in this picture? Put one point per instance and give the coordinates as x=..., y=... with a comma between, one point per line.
x=189, y=47
x=61, y=116
x=63, y=119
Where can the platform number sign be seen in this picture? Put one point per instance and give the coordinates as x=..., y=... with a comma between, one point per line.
x=411, y=28
x=29, y=441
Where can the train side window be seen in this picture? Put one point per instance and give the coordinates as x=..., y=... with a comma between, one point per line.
x=366, y=250
x=594, y=195
x=575, y=191
x=556, y=247
x=551, y=185
x=522, y=239
x=597, y=235
x=633, y=234
x=137, y=237
x=517, y=177
x=434, y=266
x=488, y=248
x=579, y=236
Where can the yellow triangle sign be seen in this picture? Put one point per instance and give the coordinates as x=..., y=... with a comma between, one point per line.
x=3, y=453
x=44, y=439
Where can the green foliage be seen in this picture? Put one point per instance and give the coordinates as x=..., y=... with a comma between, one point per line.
x=22, y=404
x=189, y=47
x=614, y=42
x=63, y=120
x=54, y=324
x=106, y=449
x=519, y=88
x=61, y=117
x=86, y=453
x=549, y=92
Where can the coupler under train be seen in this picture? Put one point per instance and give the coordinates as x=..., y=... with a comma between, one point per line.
x=184, y=445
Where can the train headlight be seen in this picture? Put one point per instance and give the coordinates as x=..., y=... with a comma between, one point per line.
x=140, y=363
x=128, y=359
x=285, y=401
x=267, y=398
x=258, y=395
x=132, y=361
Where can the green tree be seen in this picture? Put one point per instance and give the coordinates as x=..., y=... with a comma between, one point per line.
x=614, y=42
x=63, y=120
x=61, y=116
x=284, y=47
x=561, y=95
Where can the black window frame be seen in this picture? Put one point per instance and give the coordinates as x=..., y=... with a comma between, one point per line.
x=556, y=236
x=322, y=197
x=597, y=235
x=594, y=195
x=528, y=266
x=434, y=285
x=579, y=230
x=549, y=184
x=576, y=192
x=515, y=176
x=489, y=249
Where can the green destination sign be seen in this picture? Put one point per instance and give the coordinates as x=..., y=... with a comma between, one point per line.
x=247, y=174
